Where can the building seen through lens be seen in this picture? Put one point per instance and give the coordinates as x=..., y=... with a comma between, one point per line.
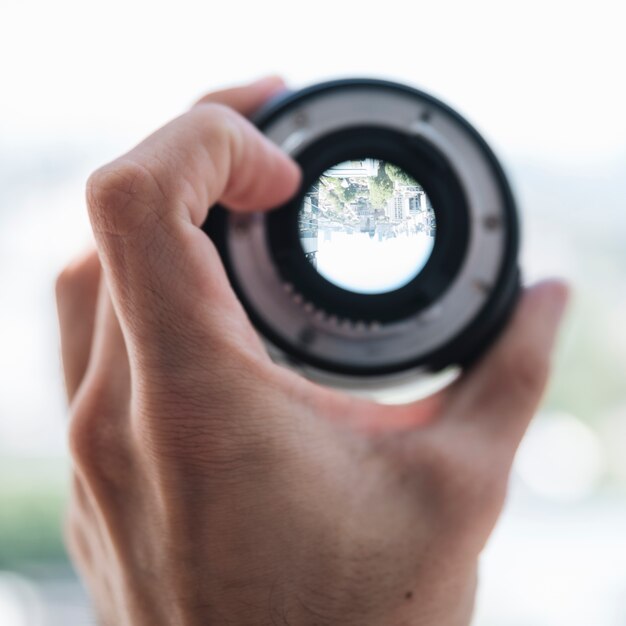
x=366, y=197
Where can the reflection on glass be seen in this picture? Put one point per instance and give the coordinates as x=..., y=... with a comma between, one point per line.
x=367, y=226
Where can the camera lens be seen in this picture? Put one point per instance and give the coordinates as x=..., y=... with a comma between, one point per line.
x=397, y=255
x=367, y=226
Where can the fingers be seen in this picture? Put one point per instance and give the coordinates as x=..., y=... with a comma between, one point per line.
x=207, y=155
x=500, y=395
x=109, y=359
x=99, y=426
x=92, y=345
x=146, y=207
x=77, y=293
x=248, y=98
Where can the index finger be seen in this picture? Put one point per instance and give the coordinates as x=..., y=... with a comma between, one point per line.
x=146, y=208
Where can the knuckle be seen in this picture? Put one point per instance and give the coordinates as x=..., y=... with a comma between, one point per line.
x=221, y=124
x=465, y=491
x=213, y=112
x=460, y=482
x=93, y=438
x=436, y=475
x=84, y=443
x=481, y=484
x=120, y=195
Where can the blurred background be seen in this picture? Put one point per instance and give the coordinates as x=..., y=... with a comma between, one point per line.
x=80, y=82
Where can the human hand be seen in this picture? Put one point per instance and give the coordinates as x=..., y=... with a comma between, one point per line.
x=212, y=486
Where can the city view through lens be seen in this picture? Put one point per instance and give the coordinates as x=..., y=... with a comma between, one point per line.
x=367, y=226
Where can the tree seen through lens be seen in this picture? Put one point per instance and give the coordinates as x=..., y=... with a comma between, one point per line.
x=352, y=213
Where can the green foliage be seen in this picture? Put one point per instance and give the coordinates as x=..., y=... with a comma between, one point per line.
x=31, y=513
x=340, y=195
x=398, y=175
x=584, y=348
x=381, y=189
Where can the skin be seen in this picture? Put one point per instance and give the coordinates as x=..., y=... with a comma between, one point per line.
x=211, y=486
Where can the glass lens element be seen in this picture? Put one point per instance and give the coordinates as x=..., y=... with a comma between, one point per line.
x=367, y=226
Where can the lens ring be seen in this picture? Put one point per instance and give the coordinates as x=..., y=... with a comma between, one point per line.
x=422, y=161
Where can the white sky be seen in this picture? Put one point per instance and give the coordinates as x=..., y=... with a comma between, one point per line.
x=359, y=263
x=543, y=79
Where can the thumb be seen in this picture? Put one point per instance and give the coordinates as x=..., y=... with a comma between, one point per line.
x=500, y=395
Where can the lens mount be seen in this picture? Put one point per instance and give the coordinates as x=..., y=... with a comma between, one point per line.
x=445, y=315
